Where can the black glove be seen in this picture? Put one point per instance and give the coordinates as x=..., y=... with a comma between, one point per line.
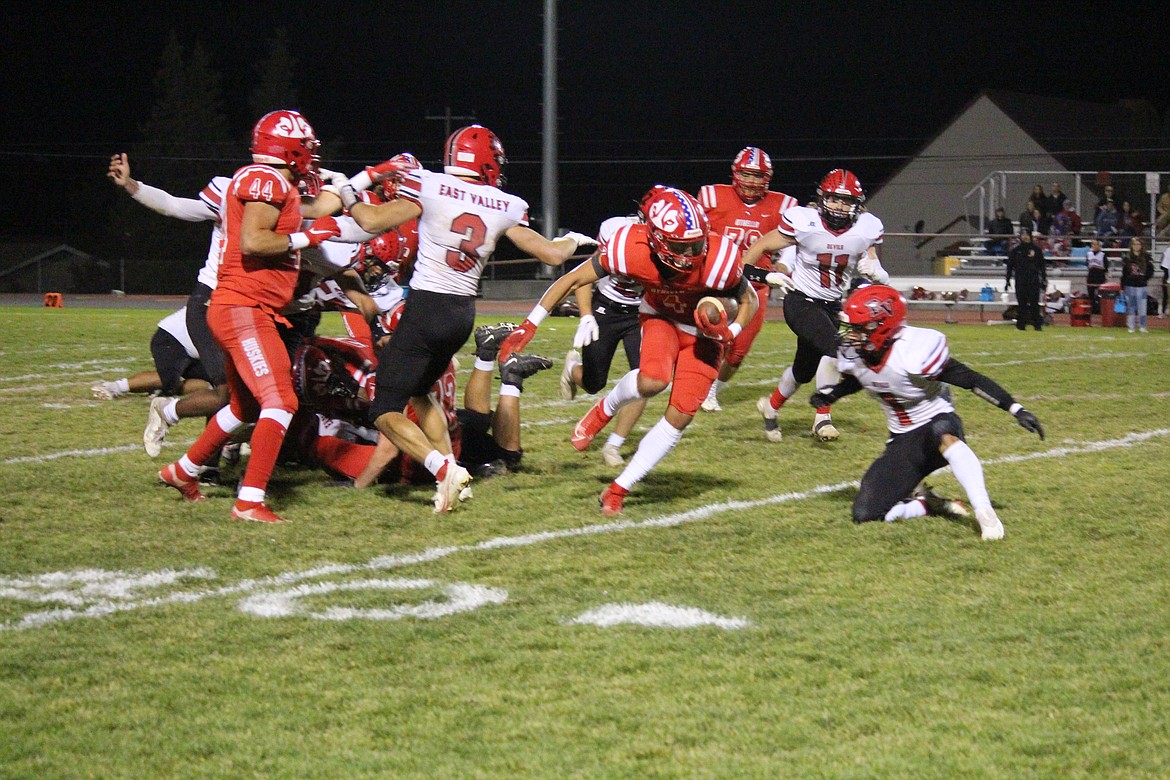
x=817, y=400
x=1029, y=423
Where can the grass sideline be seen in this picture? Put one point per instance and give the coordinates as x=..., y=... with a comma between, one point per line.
x=131, y=644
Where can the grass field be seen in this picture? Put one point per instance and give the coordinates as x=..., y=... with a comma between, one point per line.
x=141, y=637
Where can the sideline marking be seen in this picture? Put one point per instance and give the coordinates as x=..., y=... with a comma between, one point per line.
x=102, y=606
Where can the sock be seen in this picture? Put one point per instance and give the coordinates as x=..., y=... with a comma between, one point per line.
x=654, y=446
x=827, y=373
x=784, y=390
x=719, y=386
x=626, y=391
x=122, y=386
x=969, y=471
x=615, y=440
x=825, y=410
x=267, y=439
x=436, y=464
x=169, y=415
x=906, y=509
x=218, y=432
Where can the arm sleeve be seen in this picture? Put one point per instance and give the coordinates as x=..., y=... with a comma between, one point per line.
x=960, y=375
x=188, y=209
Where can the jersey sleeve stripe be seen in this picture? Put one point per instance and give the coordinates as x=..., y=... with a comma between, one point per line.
x=411, y=189
x=937, y=360
x=785, y=227
x=707, y=196
x=721, y=270
x=617, y=250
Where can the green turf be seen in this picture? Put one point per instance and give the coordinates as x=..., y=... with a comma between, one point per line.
x=886, y=650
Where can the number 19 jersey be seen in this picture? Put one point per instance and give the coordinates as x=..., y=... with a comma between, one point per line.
x=460, y=224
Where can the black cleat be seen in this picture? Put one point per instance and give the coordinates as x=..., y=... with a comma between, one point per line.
x=519, y=367
x=489, y=337
x=941, y=506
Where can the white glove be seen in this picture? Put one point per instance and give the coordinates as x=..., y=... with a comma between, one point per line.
x=581, y=240
x=587, y=331
x=780, y=281
x=867, y=266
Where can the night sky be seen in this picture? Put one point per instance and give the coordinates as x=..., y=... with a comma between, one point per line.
x=649, y=92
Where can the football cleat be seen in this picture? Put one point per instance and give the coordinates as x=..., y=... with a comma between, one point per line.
x=489, y=337
x=568, y=386
x=711, y=402
x=256, y=511
x=940, y=506
x=519, y=367
x=989, y=524
x=771, y=427
x=612, y=456
x=174, y=476
x=590, y=425
x=453, y=488
x=156, y=427
x=611, y=500
x=105, y=391
x=823, y=428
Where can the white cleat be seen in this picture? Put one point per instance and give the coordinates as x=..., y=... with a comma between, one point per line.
x=105, y=391
x=568, y=386
x=452, y=489
x=156, y=427
x=989, y=524
x=823, y=428
x=612, y=456
x=771, y=427
x=711, y=402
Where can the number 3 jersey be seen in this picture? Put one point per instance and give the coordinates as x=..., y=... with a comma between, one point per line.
x=672, y=295
x=906, y=382
x=460, y=224
x=743, y=222
x=825, y=259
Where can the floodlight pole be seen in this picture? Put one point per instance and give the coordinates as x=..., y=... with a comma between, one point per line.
x=549, y=157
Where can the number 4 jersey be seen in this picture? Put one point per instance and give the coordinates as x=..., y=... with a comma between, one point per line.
x=460, y=224
x=825, y=259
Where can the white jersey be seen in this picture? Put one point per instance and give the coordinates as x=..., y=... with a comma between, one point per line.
x=906, y=383
x=616, y=287
x=825, y=259
x=212, y=197
x=175, y=324
x=460, y=224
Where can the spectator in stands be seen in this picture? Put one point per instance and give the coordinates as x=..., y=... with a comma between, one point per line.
x=1165, y=282
x=1038, y=198
x=1136, y=269
x=1026, y=263
x=1162, y=217
x=1041, y=226
x=1098, y=264
x=1129, y=223
x=1025, y=219
x=1107, y=223
x=1107, y=196
x=1000, y=229
x=1075, y=226
x=1056, y=199
x=1058, y=233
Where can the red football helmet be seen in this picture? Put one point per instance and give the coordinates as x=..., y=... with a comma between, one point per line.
x=839, y=198
x=285, y=138
x=381, y=257
x=678, y=227
x=873, y=316
x=755, y=162
x=475, y=151
x=405, y=162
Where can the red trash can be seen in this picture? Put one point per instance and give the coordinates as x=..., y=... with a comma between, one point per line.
x=1108, y=294
x=1080, y=313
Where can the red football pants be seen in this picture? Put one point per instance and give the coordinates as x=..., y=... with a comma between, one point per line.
x=691, y=362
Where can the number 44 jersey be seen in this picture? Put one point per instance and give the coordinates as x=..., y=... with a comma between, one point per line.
x=460, y=224
x=826, y=259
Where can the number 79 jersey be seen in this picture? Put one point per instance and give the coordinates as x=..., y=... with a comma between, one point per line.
x=460, y=224
x=826, y=259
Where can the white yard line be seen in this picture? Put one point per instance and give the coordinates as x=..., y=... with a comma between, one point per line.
x=104, y=606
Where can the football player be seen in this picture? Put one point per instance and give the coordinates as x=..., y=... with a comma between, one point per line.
x=908, y=371
x=744, y=211
x=678, y=262
x=462, y=213
x=177, y=368
x=608, y=311
x=834, y=241
x=257, y=279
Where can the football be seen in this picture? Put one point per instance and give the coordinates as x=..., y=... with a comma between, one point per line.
x=712, y=306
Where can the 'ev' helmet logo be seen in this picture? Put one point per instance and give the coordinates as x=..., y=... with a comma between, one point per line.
x=664, y=216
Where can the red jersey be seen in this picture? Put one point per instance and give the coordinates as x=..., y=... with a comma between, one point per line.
x=741, y=222
x=673, y=295
x=266, y=282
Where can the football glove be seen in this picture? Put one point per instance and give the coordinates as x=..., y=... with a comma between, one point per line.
x=587, y=331
x=819, y=399
x=517, y=340
x=780, y=281
x=1029, y=423
x=717, y=330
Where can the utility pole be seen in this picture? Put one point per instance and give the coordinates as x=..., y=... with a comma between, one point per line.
x=446, y=118
x=548, y=178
